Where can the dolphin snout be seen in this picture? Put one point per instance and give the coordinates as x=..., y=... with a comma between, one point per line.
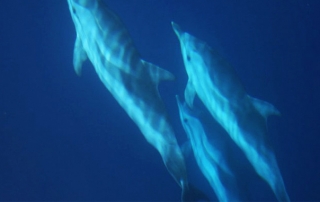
x=176, y=29
x=178, y=101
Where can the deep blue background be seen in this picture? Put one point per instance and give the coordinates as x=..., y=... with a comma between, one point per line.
x=64, y=137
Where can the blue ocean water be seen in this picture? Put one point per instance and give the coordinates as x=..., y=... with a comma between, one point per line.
x=64, y=137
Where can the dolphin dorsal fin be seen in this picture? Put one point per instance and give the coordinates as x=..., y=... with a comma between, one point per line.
x=79, y=56
x=265, y=109
x=158, y=74
x=186, y=149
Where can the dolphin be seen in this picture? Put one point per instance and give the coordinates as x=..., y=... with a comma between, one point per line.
x=102, y=38
x=244, y=118
x=209, y=157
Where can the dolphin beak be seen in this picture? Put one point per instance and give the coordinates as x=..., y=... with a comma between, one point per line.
x=176, y=29
x=179, y=101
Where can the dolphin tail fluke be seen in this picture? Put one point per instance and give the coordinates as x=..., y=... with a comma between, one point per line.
x=79, y=56
x=265, y=109
x=191, y=193
x=158, y=74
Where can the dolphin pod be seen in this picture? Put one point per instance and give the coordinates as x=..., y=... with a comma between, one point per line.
x=217, y=85
x=102, y=38
x=133, y=82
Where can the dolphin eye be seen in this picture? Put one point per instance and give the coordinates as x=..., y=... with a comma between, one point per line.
x=188, y=58
x=74, y=10
x=185, y=120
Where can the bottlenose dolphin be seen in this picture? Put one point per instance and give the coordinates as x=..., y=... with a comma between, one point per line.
x=217, y=85
x=133, y=82
x=209, y=156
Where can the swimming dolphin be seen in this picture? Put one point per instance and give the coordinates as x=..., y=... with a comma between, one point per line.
x=209, y=156
x=133, y=82
x=217, y=85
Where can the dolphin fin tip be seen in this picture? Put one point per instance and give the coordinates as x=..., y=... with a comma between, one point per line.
x=79, y=73
x=79, y=56
x=158, y=74
x=266, y=109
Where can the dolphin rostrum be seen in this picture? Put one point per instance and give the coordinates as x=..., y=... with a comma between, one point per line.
x=217, y=85
x=209, y=156
x=103, y=39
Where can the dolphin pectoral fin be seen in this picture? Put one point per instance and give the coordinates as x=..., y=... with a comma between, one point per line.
x=189, y=94
x=158, y=74
x=265, y=109
x=191, y=193
x=186, y=149
x=79, y=56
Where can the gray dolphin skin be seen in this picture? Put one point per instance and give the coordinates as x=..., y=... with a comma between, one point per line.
x=103, y=39
x=209, y=157
x=244, y=118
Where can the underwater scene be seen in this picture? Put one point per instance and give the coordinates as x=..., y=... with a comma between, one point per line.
x=159, y=100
